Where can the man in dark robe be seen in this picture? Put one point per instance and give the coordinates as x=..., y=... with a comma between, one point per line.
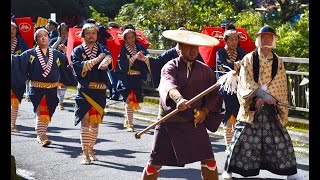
x=183, y=138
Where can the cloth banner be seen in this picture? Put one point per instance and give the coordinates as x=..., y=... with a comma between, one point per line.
x=41, y=22
x=116, y=41
x=74, y=39
x=209, y=53
x=26, y=29
x=112, y=43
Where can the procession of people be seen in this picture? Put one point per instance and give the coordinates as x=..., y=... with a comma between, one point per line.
x=252, y=108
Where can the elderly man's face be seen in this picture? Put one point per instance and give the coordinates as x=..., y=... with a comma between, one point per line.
x=189, y=52
x=266, y=39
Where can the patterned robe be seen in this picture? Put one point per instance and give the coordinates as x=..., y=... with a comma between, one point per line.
x=87, y=97
x=35, y=66
x=260, y=140
x=247, y=85
x=178, y=141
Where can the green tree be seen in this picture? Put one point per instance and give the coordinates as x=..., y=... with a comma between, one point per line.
x=155, y=16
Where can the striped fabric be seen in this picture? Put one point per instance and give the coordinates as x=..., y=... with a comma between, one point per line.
x=132, y=52
x=93, y=136
x=129, y=115
x=14, y=115
x=228, y=134
x=41, y=128
x=45, y=66
x=13, y=45
x=85, y=137
x=233, y=56
x=90, y=53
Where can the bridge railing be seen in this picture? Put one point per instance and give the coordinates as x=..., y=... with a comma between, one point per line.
x=298, y=88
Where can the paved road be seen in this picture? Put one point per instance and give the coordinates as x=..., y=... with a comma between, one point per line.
x=121, y=156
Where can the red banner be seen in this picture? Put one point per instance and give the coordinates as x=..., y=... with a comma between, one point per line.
x=26, y=29
x=113, y=43
x=114, y=46
x=141, y=39
x=116, y=41
x=209, y=53
x=74, y=39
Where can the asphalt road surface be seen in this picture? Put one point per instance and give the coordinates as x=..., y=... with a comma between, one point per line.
x=121, y=156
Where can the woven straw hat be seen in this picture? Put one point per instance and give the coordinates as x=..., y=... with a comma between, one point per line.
x=190, y=38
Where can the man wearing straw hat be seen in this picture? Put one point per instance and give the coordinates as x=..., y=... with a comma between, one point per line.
x=183, y=138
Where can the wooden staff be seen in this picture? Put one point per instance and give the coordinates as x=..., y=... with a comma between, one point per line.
x=197, y=97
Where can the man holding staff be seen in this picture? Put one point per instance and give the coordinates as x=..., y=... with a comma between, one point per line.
x=183, y=138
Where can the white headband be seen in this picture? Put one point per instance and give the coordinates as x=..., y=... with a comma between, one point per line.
x=13, y=24
x=37, y=32
x=230, y=32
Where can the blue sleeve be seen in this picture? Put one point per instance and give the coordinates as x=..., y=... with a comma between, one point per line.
x=66, y=73
x=123, y=61
x=77, y=61
x=222, y=60
x=19, y=68
x=52, y=41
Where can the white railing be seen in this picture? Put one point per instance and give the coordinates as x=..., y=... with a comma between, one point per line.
x=298, y=94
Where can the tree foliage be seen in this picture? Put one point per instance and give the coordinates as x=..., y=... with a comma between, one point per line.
x=155, y=16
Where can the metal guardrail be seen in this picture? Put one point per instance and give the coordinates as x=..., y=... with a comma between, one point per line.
x=298, y=94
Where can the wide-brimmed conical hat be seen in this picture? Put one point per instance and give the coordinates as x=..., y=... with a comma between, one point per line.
x=190, y=37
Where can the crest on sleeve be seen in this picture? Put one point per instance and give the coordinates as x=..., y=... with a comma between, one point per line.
x=31, y=58
x=84, y=56
x=58, y=62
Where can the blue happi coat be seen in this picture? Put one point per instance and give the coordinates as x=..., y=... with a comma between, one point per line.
x=132, y=81
x=79, y=57
x=231, y=101
x=28, y=66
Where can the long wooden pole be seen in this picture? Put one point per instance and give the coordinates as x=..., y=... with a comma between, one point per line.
x=197, y=97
